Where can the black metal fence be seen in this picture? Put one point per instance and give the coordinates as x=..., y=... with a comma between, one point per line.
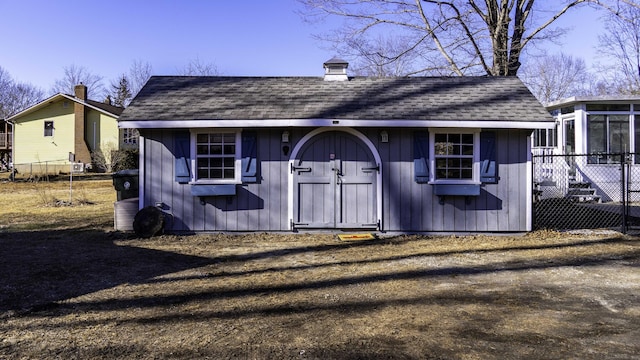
x=588, y=191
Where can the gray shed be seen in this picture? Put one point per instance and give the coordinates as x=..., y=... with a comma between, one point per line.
x=411, y=154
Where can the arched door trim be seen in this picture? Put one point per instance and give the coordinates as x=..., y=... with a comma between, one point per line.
x=309, y=136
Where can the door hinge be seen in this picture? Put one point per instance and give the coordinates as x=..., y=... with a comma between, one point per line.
x=370, y=169
x=299, y=168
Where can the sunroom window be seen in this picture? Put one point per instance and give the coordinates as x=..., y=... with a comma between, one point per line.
x=607, y=134
x=217, y=156
x=455, y=156
x=544, y=138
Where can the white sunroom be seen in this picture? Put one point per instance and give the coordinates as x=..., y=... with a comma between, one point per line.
x=603, y=134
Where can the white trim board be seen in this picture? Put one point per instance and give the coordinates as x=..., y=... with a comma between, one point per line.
x=336, y=123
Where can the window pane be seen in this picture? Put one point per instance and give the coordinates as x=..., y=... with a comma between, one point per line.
x=618, y=133
x=567, y=110
x=455, y=149
x=216, y=150
x=216, y=173
x=608, y=107
x=596, y=134
x=441, y=148
x=216, y=138
x=467, y=150
x=202, y=150
x=202, y=138
x=467, y=174
x=570, y=136
x=229, y=149
x=229, y=173
x=203, y=173
x=203, y=162
x=229, y=162
x=467, y=138
x=229, y=138
x=552, y=137
x=216, y=162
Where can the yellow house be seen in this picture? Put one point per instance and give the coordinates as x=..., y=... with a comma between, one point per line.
x=66, y=129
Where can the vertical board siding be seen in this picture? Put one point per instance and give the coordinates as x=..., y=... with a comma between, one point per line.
x=407, y=206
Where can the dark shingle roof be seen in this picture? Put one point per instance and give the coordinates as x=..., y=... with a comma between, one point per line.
x=360, y=98
x=116, y=110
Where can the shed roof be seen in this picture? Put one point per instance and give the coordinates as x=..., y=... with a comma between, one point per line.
x=180, y=98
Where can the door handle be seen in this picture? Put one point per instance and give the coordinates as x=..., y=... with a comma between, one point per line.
x=337, y=171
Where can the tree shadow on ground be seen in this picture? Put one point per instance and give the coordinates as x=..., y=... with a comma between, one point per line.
x=40, y=268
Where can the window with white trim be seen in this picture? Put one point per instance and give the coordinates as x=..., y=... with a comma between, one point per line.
x=545, y=138
x=455, y=156
x=130, y=136
x=607, y=134
x=217, y=156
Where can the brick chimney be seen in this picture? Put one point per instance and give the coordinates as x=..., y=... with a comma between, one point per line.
x=80, y=147
x=80, y=91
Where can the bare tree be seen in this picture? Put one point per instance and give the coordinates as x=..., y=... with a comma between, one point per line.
x=139, y=74
x=373, y=57
x=196, y=67
x=15, y=97
x=620, y=44
x=469, y=36
x=555, y=77
x=74, y=75
x=6, y=82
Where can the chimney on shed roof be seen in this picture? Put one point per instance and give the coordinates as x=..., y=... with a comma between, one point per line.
x=335, y=69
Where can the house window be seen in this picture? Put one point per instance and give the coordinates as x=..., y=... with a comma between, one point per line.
x=217, y=156
x=455, y=156
x=544, y=138
x=607, y=134
x=130, y=136
x=48, y=128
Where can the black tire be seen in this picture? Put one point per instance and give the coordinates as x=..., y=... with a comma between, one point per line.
x=148, y=222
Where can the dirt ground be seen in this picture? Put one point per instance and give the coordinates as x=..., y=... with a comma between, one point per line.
x=79, y=294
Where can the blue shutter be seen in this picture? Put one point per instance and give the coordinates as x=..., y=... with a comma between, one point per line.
x=421, y=156
x=488, y=168
x=182, y=153
x=249, y=164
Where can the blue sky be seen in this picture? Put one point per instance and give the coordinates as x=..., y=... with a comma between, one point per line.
x=251, y=37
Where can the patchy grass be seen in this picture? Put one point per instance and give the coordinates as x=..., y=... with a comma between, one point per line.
x=51, y=205
x=84, y=291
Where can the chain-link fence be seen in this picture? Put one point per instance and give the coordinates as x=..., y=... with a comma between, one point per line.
x=586, y=191
x=43, y=169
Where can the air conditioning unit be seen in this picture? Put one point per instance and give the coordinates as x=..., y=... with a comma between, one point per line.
x=77, y=167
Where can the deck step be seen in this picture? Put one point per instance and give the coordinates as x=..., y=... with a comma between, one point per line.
x=585, y=198
x=581, y=191
x=579, y=185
